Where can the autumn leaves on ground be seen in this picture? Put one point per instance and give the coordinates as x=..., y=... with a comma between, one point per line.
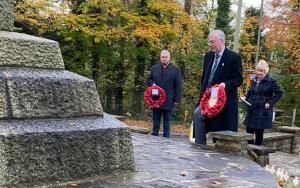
x=176, y=127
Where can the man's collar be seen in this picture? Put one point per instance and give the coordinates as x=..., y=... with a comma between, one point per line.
x=164, y=67
x=220, y=53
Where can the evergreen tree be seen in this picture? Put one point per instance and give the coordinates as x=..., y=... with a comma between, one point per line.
x=223, y=18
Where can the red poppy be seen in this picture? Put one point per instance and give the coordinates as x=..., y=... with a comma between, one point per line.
x=150, y=101
x=212, y=111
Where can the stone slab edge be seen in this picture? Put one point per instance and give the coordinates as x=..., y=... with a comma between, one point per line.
x=290, y=129
x=230, y=135
x=277, y=135
x=37, y=93
x=67, y=149
x=262, y=150
x=21, y=50
x=6, y=15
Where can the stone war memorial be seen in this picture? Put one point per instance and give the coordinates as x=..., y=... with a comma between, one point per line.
x=52, y=126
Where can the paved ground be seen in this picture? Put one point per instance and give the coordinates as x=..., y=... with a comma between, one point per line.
x=286, y=161
x=168, y=163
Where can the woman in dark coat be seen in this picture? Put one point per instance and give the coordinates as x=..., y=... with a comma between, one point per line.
x=262, y=94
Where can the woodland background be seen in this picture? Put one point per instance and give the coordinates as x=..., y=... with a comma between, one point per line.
x=115, y=42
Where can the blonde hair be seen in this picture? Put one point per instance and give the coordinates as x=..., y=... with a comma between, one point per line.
x=262, y=64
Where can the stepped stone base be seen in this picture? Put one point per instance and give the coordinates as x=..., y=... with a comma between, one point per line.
x=21, y=50
x=27, y=93
x=36, y=152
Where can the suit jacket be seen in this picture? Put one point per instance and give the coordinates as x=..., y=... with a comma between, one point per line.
x=229, y=71
x=170, y=81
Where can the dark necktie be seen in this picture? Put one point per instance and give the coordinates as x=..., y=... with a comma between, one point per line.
x=213, y=69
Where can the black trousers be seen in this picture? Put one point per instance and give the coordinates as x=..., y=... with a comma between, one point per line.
x=259, y=135
x=167, y=121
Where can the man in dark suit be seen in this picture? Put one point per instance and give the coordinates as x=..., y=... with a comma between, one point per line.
x=167, y=76
x=221, y=66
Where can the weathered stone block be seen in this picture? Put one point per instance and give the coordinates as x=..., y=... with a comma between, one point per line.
x=230, y=135
x=263, y=160
x=36, y=152
x=261, y=150
x=262, y=153
x=296, y=137
x=35, y=93
x=228, y=146
x=293, y=130
x=287, y=142
x=279, y=141
x=232, y=142
x=3, y=100
x=276, y=136
x=6, y=15
x=21, y=50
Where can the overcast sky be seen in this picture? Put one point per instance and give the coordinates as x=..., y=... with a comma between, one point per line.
x=255, y=3
x=246, y=4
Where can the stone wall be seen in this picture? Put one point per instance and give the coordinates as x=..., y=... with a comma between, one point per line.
x=279, y=141
x=296, y=137
x=232, y=142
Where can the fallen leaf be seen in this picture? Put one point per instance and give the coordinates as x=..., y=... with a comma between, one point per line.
x=216, y=182
x=183, y=173
x=234, y=165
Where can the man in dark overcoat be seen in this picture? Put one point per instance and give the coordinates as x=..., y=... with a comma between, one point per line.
x=167, y=76
x=221, y=66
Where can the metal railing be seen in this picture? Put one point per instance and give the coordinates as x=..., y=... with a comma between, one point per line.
x=285, y=118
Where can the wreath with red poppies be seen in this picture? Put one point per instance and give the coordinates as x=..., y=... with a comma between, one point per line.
x=209, y=110
x=150, y=101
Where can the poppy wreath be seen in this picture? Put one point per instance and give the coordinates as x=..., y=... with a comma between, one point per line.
x=155, y=103
x=212, y=111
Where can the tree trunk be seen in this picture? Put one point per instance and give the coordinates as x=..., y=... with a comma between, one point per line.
x=182, y=63
x=139, y=80
x=223, y=19
x=188, y=6
x=109, y=100
x=120, y=69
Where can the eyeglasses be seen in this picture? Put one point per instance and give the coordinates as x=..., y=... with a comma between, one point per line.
x=211, y=42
